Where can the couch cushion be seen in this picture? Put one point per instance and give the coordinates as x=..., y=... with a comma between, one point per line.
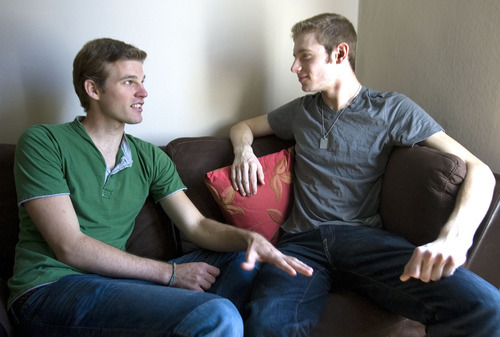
x=195, y=156
x=349, y=314
x=264, y=212
x=418, y=192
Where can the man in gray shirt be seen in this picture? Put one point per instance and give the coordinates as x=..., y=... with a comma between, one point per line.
x=344, y=135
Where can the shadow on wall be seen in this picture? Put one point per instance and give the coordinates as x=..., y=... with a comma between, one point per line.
x=235, y=57
x=38, y=83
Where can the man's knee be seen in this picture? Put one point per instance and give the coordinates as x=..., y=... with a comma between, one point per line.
x=217, y=317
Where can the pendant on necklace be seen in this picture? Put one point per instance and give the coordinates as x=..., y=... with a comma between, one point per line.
x=323, y=143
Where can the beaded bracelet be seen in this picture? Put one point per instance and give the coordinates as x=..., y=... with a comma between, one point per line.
x=171, y=282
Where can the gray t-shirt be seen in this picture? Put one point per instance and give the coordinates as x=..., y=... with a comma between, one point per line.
x=341, y=184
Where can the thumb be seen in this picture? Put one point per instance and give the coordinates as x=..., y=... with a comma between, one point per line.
x=404, y=277
x=249, y=263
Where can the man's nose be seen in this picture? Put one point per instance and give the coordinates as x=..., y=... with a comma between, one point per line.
x=296, y=67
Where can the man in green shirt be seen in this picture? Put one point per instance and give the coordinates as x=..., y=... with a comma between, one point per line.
x=80, y=186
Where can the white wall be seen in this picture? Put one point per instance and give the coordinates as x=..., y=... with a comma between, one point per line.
x=210, y=62
x=446, y=56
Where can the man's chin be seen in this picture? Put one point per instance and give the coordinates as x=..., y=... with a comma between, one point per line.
x=137, y=120
x=306, y=88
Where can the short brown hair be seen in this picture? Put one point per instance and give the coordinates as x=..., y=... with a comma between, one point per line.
x=90, y=63
x=331, y=30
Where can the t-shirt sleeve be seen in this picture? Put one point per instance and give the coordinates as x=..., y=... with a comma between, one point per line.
x=411, y=123
x=281, y=120
x=166, y=180
x=38, y=168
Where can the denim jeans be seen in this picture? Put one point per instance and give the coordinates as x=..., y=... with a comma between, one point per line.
x=368, y=261
x=92, y=305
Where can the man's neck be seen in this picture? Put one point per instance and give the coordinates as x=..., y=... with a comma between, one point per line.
x=342, y=94
x=107, y=138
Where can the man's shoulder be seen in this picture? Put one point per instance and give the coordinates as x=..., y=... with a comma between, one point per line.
x=143, y=148
x=300, y=103
x=44, y=132
x=383, y=95
x=141, y=144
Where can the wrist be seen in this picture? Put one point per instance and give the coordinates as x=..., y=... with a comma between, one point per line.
x=241, y=150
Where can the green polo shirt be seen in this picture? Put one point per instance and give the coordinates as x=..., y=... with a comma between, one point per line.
x=63, y=160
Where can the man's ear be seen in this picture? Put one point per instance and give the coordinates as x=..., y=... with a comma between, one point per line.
x=92, y=89
x=341, y=52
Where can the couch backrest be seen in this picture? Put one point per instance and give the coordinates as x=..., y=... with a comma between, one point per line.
x=154, y=236
x=9, y=220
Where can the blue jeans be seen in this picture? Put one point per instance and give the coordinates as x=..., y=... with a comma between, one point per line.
x=368, y=261
x=92, y=305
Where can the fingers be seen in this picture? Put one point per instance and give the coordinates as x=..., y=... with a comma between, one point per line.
x=246, y=175
x=411, y=269
x=260, y=177
x=427, y=266
x=299, y=266
x=289, y=264
x=196, y=276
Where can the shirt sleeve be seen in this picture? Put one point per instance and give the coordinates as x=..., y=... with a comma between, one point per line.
x=282, y=119
x=38, y=168
x=166, y=179
x=412, y=124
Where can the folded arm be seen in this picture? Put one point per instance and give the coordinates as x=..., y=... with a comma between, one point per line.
x=443, y=256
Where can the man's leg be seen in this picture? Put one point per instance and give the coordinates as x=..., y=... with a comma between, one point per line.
x=90, y=305
x=285, y=305
x=372, y=261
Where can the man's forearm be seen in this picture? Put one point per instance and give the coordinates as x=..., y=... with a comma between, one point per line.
x=241, y=136
x=213, y=235
x=97, y=257
x=472, y=203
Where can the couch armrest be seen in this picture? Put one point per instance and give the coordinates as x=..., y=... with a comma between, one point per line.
x=419, y=189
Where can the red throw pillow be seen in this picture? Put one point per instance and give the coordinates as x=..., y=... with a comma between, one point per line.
x=265, y=211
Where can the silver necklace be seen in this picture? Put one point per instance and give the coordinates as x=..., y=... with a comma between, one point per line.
x=323, y=141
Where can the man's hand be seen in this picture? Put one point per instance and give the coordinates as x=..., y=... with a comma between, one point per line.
x=198, y=276
x=261, y=250
x=433, y=261
x=246, y=172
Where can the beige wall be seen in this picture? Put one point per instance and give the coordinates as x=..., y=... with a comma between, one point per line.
x=445, y=55
x=210, y=63
x=213, y=62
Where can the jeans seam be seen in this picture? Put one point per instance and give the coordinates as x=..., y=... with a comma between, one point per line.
x=326, y=249
x=316, y=272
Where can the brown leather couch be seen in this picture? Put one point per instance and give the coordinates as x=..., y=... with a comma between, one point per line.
x=418, y=192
